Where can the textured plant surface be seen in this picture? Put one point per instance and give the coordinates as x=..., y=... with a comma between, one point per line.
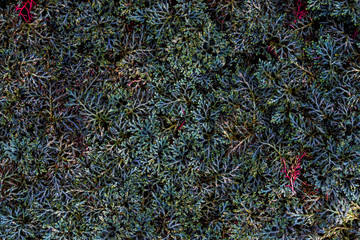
x=179, y=119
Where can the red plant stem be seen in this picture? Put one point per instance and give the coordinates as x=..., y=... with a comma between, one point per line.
x=30, y=2
x=181, y=125
x=300, y=13
x=184, y=120
x=293, y=172
x=271, y=51
x=355, y=34
x=129, y=84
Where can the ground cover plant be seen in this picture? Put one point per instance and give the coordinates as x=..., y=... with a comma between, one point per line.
x=179, y=119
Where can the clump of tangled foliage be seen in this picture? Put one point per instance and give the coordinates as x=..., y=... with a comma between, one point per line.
x=179, y=119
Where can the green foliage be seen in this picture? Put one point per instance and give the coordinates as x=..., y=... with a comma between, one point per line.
x=174, y=119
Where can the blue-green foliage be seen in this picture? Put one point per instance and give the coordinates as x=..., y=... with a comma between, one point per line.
x=173, y=119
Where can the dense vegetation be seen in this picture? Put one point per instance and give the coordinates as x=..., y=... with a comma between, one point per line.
x=179, y=119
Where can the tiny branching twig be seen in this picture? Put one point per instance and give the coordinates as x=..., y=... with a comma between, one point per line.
x=293, y=172
x=25, y=10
